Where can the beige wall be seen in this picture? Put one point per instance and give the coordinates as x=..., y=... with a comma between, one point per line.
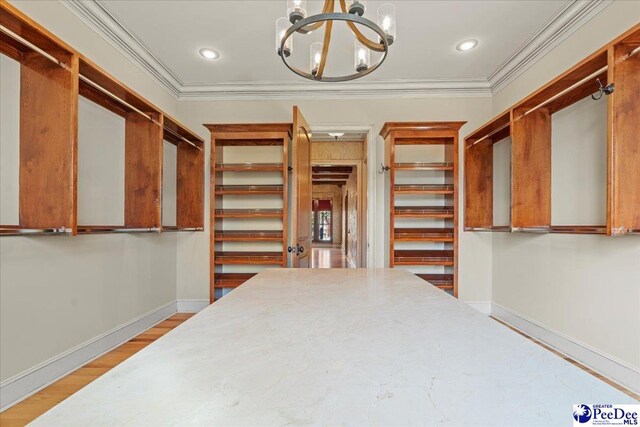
x=59, y=292
x=475, y=248
x=334, y=193
x=584, y=287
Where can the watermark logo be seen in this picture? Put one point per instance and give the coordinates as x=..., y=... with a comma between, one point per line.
x=605, y=415
x=582, y=413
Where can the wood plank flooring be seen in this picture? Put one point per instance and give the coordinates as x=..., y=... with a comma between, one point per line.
x=328, y=257
x=36, y=405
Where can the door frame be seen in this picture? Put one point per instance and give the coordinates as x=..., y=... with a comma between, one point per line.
x=368, y=175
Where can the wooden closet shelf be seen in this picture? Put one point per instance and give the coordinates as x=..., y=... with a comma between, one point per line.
x=423, y=257
x=248, y=213
x=248, y=258
x=249, y=142
x=231, y=280
x=423, y=234
x=249, y=189
x=423, y=189
x=249, y=236
x=448, y=166
x=99, y=229
x=424, y=141
x=249, y=167
x=423, y=211
x=442, y=281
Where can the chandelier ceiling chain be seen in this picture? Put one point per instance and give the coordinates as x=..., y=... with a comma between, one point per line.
x=352, y=12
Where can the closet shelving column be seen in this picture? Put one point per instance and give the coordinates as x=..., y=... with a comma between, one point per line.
x=424, y=199
x=236, y=173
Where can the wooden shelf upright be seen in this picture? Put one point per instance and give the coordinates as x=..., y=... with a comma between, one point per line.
x=250, y=191
x=428, y=245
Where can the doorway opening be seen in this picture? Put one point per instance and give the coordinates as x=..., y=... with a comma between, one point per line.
x=338, y=217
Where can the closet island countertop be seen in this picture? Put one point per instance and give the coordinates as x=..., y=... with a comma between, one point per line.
x=336, y=347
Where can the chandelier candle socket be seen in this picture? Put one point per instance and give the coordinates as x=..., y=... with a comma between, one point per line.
x=356, y=7
x=352, y=13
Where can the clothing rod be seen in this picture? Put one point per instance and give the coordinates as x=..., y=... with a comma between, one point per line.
x=25, y=231
x=111, y=95
x=490, y=134
x=182, y=138
x=570, y=88
x=34, y=47
x=632, y=53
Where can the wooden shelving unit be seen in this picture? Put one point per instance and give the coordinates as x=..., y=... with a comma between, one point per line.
x=53, y=76
x=247, y=197
x=423, y=215
x=529, y=125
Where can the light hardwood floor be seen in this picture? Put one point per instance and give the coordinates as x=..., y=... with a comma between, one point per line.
x=36, y=405
x=328, y=257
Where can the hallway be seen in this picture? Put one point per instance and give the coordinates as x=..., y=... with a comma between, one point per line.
x=328, y=257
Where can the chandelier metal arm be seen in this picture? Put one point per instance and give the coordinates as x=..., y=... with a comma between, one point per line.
x=325, y=45
x=377, y=47
x=326, y=8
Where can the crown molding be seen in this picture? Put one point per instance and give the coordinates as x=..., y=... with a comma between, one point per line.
x=571, y=17
x=568, y=19
x=360, y=90
x=98, y=17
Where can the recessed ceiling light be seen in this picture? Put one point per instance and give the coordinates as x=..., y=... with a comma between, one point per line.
x=465, y=45
x=209, y=53
x=336, y=135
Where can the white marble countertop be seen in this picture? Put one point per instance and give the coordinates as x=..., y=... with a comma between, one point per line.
x=336, y=347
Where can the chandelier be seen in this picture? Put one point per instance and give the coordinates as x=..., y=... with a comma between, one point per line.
x=352, y=13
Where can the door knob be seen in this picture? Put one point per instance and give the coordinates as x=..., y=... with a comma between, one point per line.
x=290, y=249
x=300, y=249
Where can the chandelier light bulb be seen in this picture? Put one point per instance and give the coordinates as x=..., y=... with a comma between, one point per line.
x=296, y=10
x=282, y=24
x=387, y=21
x=362, y=56
x=316, y=57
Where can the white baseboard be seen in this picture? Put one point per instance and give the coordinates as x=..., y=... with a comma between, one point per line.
x=483, y=307
x=23, y=385
x=192, y=305
x=617, y=370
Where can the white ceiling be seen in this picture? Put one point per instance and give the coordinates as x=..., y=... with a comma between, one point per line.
x=165, y=36
x=243, y=32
